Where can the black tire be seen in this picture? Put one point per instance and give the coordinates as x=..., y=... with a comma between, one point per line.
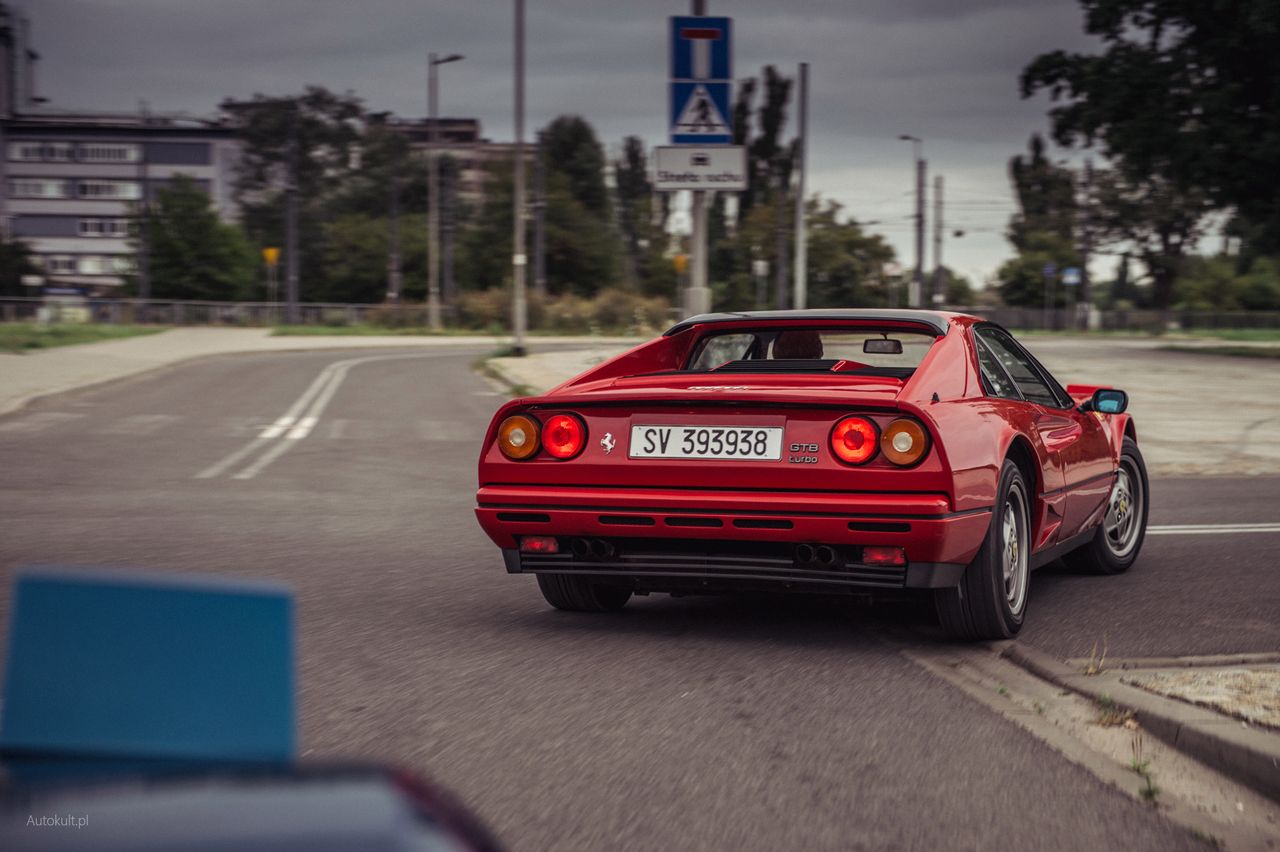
x=1107, y=552
x=984, y=605
x=579, y=594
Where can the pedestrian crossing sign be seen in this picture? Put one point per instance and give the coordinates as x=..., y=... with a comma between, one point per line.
x=700, y=113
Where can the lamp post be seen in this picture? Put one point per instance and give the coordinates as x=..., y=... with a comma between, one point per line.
x=519, y=306
x=433, y=191
x=917, y=281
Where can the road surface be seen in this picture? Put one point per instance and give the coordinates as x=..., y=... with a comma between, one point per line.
x=719, y=723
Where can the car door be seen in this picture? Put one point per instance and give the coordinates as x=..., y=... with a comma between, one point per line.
x=1076, y=442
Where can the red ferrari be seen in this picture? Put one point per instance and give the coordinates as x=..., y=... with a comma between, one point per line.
x=816, y=451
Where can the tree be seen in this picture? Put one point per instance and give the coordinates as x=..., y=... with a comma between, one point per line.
x=1046, y=196
x=572, y=150
x=1151, y=219
x=193, y=254
x=1021, y=280
x=1184, y=91
x=315, y=136
x=635, y=197
x=844, y=263
x=15, y=262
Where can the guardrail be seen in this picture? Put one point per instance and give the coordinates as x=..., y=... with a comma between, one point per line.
x=186, y=312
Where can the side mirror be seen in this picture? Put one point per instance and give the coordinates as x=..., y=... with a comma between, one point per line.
x=1107, y=401
x=883, y=346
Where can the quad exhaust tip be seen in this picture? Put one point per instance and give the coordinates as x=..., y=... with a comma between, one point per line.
x=592, y=548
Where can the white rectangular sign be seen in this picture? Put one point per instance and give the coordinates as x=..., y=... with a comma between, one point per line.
x=715, y=167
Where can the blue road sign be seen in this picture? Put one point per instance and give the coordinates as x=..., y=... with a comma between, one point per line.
x=701, y=48
x=700, y=113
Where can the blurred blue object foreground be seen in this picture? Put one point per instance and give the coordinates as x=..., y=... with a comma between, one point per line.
x=110, y=664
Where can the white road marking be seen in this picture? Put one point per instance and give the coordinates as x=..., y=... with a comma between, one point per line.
x=296, y=423
x=1211, y=528
x=34, y=423
x=275, y=430
x=300, y=431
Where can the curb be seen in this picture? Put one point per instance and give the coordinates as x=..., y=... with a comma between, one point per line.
x=1250, y=755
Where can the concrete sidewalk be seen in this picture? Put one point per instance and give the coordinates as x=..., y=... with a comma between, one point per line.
x=1195, y=414
x=25, y=377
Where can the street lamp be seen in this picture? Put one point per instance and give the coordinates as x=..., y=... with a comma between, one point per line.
x=433, y=191
x=917, y=281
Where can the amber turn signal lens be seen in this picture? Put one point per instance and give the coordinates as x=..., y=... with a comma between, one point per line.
x=904, y=442
x=518, y=437
x=563, y=436
x=854, y=439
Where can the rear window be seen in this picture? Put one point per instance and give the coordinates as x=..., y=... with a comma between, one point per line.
x=803, y=350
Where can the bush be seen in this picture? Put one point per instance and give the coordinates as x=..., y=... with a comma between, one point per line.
x=609, y=311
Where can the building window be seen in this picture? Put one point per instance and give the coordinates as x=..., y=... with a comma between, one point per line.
x=104, y=228
x=122, y=190
x=37, y=188
x=36, y=152
x=101, y=153
x=59, y=264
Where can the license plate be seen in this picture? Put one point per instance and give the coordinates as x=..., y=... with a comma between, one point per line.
x=755, y=443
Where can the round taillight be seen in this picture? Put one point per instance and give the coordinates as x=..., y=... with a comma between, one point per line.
x=854, y=440
x=563, y=436
x=518, y=437
x=904, y=442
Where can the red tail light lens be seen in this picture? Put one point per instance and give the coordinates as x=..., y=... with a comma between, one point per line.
x=854, y=440
x=563, y=436
x=884, y=556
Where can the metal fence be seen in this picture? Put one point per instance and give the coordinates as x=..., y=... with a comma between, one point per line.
x=183, y=312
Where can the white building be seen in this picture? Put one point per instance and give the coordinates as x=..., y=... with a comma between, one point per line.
x=75, y=182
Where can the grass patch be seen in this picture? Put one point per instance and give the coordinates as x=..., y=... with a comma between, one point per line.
x=358, y=331
x=1251, y=335
x=1265, y=352
x=28, y=336
x=1111, y=714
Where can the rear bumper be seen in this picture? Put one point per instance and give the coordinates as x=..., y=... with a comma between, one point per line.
x=695, y=534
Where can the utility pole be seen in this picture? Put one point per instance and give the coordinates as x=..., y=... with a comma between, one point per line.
x=801, y=282
x=938, y=287
x=394, y=279
x=433, y=191
x=697, y=295
x=518, y=260
x=291, y=225
x=780, y=235
x=1086, y=247
x=916, y=290
x=446, y=252
x=540, y=218
x=144, y=206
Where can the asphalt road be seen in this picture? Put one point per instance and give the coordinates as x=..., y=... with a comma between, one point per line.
x=753, y=723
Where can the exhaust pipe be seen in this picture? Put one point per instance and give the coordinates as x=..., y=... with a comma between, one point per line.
x=581, y=548
x=601, y=549
x=826, y=556
x=804, y=554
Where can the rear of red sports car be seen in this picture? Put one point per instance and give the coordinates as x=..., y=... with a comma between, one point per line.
x=744, y=452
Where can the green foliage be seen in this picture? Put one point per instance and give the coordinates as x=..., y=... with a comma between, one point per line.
x=15, y=262
x=1216, y=284
x=573, y=151
x=353, y=254
x=1046, y=196
x=609, y=311
x=1184, y=91
x=844, y=263
x=25, y=336
x=194, y=254
x=1021, y=279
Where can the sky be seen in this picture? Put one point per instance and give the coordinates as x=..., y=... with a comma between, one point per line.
x=942, y=70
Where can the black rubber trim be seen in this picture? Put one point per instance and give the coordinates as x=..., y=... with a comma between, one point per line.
x=1044, y=557
x=693, y=522
x=874, y=526
x=836, y=491
x=762, y=524
x=701, y=511
x=1079, y=484
x=525, y=517
x=627, y=520
x=933, y=575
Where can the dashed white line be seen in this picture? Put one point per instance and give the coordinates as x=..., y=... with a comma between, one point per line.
x=296, y=423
